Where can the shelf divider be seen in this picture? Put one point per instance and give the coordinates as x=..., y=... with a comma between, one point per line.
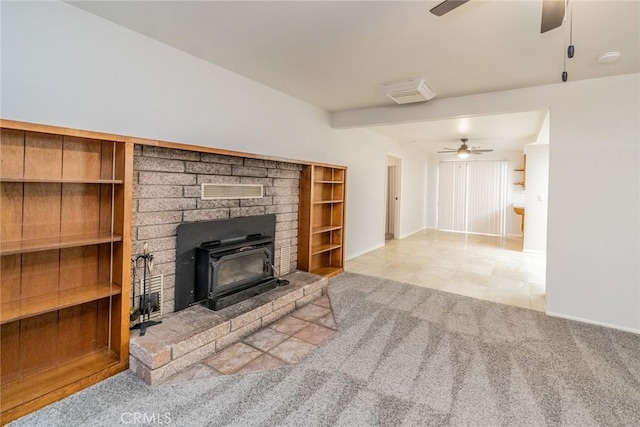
x=325, y=228
x=32, y=387
x=324, y=202
x=21, y=309
x=324, y=248
x=63, y=181
x=328, y=271
x=58, y=242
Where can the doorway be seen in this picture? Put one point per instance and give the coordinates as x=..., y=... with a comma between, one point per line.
x=392, y=209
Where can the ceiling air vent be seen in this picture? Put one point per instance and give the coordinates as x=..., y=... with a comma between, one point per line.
x=231, y=191
x=408, y=91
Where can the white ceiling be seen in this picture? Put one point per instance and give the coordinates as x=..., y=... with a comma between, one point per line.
x=498, y=132
x=334, y=54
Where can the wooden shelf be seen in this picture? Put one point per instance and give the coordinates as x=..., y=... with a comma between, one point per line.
x=325, y=228
x=29, y=388
x=328, y=271
x=322, y=202
x=524, y=170
x=65, y=248
x=63, y=181
x=48, y=243
x=321, y=219
x=24, y=308
x=324, y=248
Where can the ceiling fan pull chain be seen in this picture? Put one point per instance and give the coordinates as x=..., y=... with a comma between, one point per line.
x=571, y=49
x=565, y=75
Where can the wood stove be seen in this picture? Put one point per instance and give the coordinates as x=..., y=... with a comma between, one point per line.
x=222, y=262
x=233, y=270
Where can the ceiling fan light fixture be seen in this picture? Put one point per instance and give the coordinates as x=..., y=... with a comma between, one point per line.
x=464, y=151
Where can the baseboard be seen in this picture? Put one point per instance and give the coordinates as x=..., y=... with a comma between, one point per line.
x=362, y=252
x=533, y=251
x=593, y=322
x=411, y=233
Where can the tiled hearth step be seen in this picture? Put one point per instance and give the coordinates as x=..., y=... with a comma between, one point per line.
x=285, y=342
x=190, y=336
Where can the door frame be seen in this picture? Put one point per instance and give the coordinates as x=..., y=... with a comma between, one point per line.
x=393, y=160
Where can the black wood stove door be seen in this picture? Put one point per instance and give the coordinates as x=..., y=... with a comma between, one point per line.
x=235, y=271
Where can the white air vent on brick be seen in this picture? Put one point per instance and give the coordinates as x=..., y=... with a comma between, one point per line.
x=231, y=191
x=285, y=259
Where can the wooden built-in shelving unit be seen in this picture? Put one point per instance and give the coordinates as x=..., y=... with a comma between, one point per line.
x=321, y=219
x=64, y=258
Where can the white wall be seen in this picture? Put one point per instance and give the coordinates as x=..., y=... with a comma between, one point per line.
x=535, y=234
x=62, y=66
x=593, y=240
x=413, y=194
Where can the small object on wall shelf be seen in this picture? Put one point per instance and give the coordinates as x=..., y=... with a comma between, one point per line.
x=322, y=219
x=66, y=218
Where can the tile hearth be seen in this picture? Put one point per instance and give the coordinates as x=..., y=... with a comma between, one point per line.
x=285, y=342
x=276, y=328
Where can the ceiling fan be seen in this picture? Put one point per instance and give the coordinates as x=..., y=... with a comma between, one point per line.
x=552, y=11
x=464, y=150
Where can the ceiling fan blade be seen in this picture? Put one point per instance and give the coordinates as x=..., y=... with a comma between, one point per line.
x=481, y=151
x=447, y=148
x=448, y=152
x=447, y=6
x=552, y=14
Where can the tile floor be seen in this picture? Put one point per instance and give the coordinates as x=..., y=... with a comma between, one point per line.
x=483, y=267
x=282, y=343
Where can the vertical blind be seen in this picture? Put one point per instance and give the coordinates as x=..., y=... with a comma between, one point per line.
x=472, y=197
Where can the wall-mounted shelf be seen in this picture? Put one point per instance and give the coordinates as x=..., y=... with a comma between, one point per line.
x=524, y=174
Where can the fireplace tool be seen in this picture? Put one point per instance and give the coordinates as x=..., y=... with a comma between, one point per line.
x=280, y=282
x=148, y=301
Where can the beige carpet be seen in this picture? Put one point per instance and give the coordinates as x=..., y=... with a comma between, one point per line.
x=403, y=355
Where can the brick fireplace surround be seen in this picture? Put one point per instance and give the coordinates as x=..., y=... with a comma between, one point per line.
x=167, y=185
x=167, y=193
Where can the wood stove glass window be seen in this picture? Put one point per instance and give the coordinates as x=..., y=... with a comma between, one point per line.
x=232, y=271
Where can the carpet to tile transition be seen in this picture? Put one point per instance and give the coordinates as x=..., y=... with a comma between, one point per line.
x=403, y=355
